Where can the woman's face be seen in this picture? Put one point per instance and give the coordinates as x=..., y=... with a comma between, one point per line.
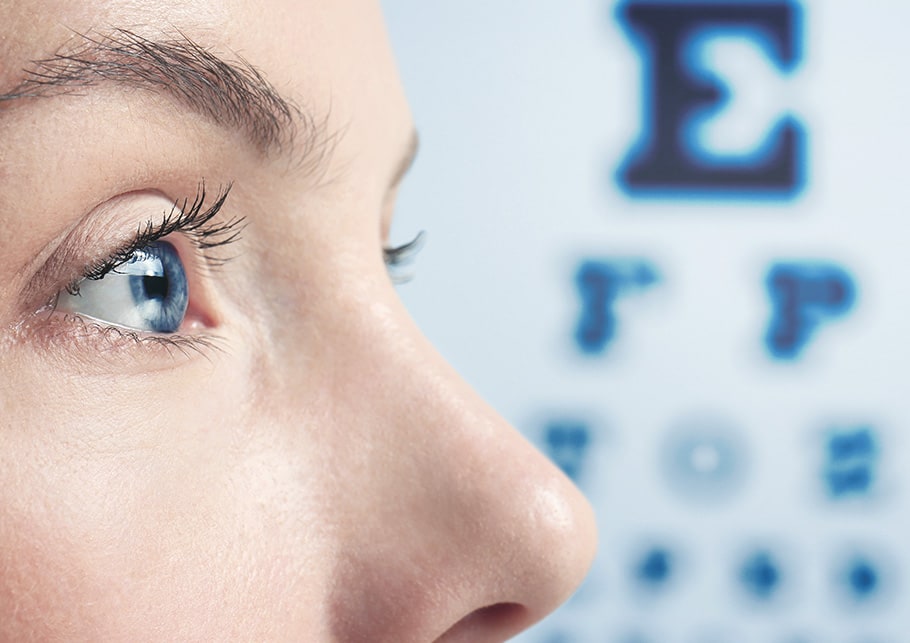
x=245, y=440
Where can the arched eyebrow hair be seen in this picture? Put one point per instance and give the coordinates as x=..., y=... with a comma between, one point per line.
x=233, y=94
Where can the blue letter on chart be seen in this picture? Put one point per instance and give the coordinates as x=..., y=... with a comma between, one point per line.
x=600, y=284
x=803, y=297
x=667, y=159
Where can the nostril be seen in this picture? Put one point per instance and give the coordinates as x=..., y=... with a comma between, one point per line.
x=490, y=624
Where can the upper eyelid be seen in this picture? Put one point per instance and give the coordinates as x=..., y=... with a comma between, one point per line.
x=187, y=218
x=86, y=249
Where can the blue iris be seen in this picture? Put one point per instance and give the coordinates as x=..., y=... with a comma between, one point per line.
x=159, y=287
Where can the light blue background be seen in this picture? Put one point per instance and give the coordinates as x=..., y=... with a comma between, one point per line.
x=525, y=112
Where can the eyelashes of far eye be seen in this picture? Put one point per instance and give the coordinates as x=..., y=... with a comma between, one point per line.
x=399, y=258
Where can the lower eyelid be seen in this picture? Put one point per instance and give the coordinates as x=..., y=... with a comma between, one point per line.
x=78, y=341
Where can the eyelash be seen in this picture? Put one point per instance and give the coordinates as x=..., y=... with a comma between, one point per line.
x=114, y=335
x=191, y=220
x=399, y=256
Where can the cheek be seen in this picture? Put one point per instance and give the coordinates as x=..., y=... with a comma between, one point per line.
x=37, y=583
x=176, y=514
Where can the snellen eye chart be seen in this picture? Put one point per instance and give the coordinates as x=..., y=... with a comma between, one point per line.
x=669, y=242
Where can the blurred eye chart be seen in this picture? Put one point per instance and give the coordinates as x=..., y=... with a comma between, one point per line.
x=669, y=242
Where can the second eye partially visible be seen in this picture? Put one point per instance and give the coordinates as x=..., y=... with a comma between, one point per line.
x=399, y=258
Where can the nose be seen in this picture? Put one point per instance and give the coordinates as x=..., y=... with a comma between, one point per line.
x=459, y=529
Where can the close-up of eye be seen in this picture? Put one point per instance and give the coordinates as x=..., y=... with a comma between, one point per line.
x=148, y=292
x=146, y=287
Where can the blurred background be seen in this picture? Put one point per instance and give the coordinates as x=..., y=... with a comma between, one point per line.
x=667, y=241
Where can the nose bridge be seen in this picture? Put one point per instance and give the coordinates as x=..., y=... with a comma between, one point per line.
x=452, y=511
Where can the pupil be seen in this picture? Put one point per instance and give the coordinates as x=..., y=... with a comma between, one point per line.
x=155, y=287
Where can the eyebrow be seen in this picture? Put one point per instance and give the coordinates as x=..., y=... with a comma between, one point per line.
x=234, y=95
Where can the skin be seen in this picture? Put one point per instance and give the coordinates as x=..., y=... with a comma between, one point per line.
x=320, y=473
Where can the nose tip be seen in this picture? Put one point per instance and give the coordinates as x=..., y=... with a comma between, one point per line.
x=478, y=548
x=539, y=547
x=497, y=553
x=553, y=541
